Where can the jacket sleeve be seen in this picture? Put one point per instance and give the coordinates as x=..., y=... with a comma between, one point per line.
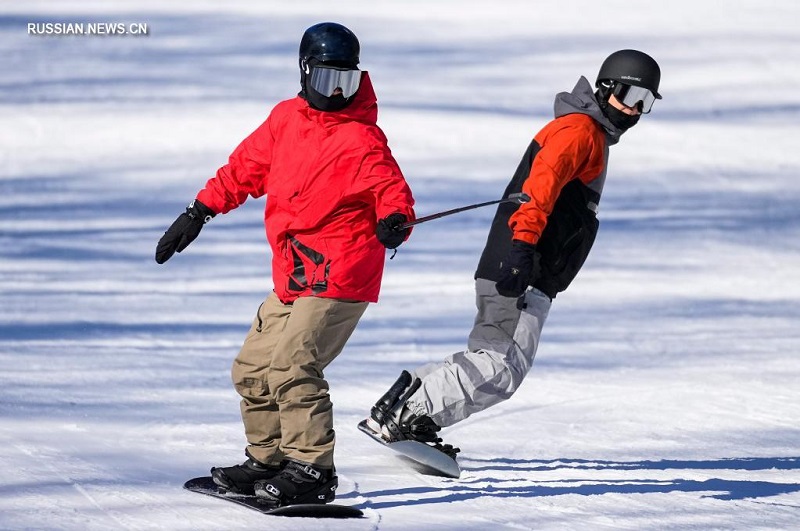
x=244, y=175
x=380, y=178
x=561, y=157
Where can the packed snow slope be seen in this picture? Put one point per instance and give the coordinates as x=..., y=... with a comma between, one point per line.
x=666, y=390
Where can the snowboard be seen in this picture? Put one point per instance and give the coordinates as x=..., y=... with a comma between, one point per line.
x=428, y=459
x=205, y=485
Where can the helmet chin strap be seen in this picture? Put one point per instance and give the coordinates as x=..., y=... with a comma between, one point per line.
x=603, y=93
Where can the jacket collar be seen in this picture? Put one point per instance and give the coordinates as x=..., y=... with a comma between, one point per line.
x=582, y=100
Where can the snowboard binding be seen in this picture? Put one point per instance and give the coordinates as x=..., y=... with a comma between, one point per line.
x=297, y=483
x=239, y=479
x=391, y=417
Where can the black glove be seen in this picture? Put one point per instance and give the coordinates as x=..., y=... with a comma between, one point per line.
x=183, y=230
x=389, y=232
x=519, y=269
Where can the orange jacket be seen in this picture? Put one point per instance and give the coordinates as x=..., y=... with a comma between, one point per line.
x=563, y=171
x=571, y=147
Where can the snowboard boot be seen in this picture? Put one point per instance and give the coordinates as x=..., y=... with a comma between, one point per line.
x=240, y=478
x=297, y=482
x=395, y=421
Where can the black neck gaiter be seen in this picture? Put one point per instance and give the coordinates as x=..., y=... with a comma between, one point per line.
x=324, y=103
x=621, y=120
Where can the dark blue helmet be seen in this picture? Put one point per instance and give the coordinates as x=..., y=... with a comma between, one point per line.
x=329, y=74
x=330, y=43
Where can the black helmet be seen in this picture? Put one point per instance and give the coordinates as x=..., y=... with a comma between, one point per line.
x=631, y=67
x=329, y=42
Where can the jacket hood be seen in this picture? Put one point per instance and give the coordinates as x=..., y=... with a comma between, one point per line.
x=364, y=107
x=582, y=100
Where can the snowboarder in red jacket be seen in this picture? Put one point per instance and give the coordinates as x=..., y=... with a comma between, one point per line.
x=336, y=199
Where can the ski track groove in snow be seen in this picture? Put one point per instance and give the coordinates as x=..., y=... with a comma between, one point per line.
x=75, y=485
x=45, y=458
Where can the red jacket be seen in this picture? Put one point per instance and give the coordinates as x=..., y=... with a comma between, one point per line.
x=329, y=177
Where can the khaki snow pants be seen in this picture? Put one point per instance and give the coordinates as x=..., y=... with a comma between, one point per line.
x=286, y=409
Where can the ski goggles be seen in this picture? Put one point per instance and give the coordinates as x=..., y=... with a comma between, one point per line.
x=631, y=96
x=326, y=79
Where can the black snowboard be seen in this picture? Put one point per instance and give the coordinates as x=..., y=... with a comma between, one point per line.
x=205, y=485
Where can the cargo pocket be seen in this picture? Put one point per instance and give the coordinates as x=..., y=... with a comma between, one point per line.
x=573, y=254
x=258, y=324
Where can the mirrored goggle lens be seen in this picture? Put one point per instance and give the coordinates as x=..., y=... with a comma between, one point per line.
x=326, y=80
x=631, y=95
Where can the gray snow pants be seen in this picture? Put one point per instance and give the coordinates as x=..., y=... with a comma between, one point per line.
x=499, y=355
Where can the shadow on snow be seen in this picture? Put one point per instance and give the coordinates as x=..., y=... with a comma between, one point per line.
x=717, y=488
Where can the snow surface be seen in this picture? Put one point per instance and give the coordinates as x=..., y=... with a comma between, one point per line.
x=666, y=392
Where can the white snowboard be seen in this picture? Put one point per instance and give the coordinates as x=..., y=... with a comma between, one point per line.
x=434, y=461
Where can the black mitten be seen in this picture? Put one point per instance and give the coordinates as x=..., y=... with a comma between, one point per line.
x=389, y=232
x=183, y=230
x=519, y=269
